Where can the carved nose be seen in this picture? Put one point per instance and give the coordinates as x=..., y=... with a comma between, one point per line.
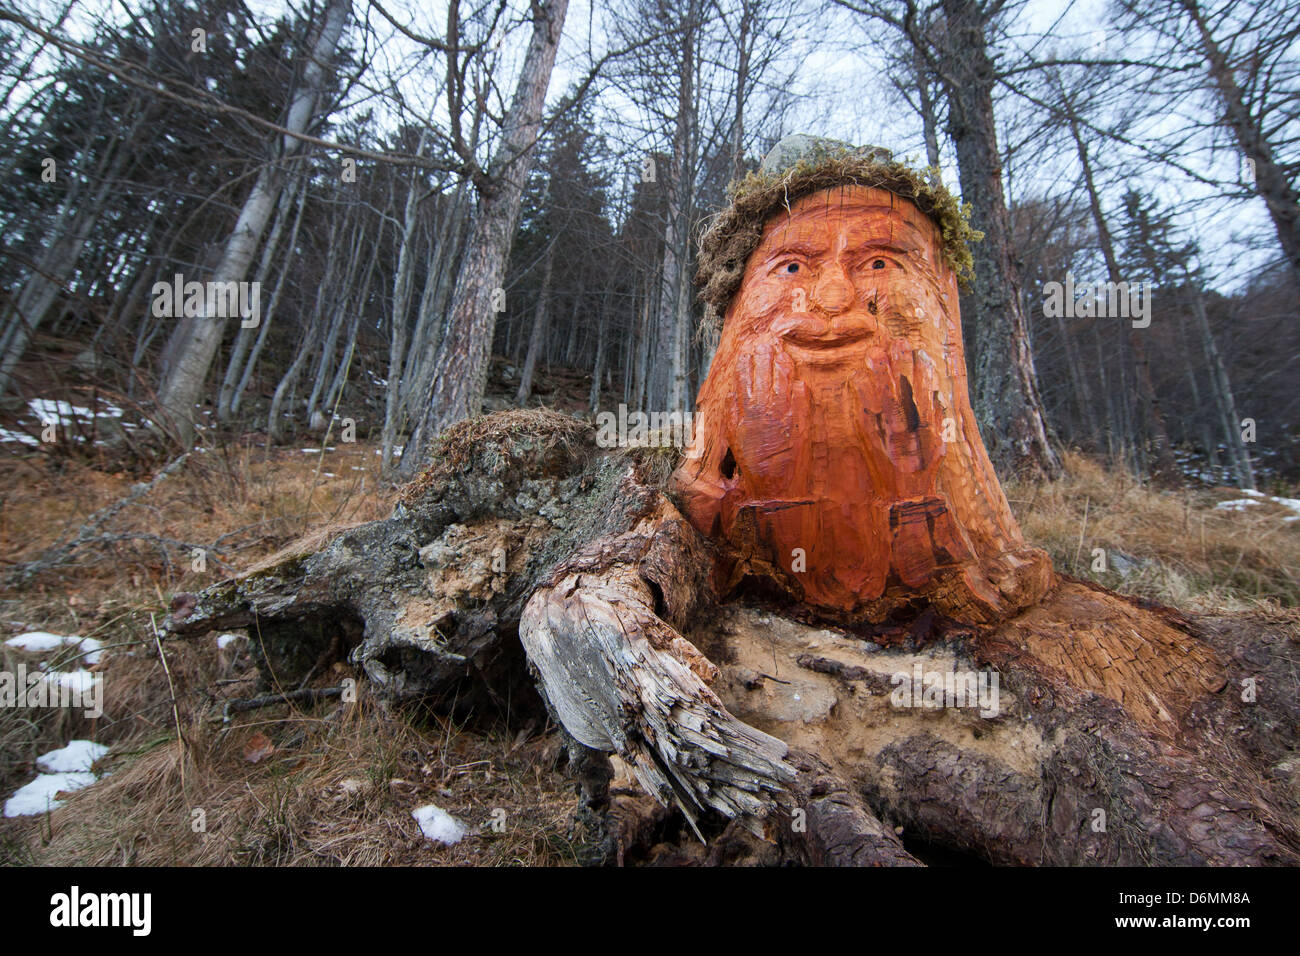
x=833, y=292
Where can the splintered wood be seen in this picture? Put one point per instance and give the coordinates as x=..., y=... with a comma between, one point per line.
x=836, y=451
x=622, y=680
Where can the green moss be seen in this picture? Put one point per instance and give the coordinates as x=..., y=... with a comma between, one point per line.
x=726, y=245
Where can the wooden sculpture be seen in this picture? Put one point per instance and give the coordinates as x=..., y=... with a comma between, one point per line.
x=734, y=630
x=838, y=471
x=836, y=451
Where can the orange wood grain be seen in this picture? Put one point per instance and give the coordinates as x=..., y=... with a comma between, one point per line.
x=835, y=451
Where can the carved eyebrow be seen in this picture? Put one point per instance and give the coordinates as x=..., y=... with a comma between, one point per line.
x=796, y=248
x=868, y=251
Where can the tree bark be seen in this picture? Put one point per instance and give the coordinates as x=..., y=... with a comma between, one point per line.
x=1005, y=384
x=460, y=373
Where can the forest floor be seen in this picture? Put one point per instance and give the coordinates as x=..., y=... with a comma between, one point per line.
x=326, y=784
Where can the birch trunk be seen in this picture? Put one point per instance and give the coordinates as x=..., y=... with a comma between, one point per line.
x=183, y=385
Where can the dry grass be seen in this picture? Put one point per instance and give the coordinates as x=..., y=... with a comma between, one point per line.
x=1184, y=552
x=338, y=790
x=343, y=779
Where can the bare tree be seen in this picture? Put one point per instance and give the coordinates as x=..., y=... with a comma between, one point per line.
x=181, y=388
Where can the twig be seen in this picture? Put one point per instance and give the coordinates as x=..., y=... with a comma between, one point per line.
x=309, y=694
x=176, y=714
x=61, y=554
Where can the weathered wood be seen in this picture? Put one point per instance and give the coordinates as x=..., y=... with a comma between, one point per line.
x=721, y=707
x=622, y=680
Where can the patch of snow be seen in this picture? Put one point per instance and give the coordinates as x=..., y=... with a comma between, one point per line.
x=38, y=796
x=438, y=825
x=40, y=642
x=225, y=640
x=23, y=437
x=1291, y=504
x=310, y=451
x=77, y=757
x=54, y=409
x=79, y=682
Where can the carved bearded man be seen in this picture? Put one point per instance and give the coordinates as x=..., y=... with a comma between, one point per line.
x=836, y=454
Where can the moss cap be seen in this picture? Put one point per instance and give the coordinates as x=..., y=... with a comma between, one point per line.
x=798, y=166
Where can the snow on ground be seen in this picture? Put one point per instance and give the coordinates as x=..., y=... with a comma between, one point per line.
x=38, y=796
x=78, y=682
x=54, y=409
x=40, y=642
x=438, y=825
x=77, y=757
x=26, y=439
x=1236, y=504
x=1291, y=504
x=59, y=412
x=63, y=770
x=225, y=640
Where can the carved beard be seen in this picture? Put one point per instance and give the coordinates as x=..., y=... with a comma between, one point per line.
x=819, y=457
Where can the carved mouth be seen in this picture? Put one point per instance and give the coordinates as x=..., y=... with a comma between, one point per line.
x=810, y=332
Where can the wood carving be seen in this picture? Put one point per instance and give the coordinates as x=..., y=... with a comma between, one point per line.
x=836, y=465
x=735, y=641
x=836, y=451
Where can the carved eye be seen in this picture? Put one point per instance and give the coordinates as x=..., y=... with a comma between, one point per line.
x=878, y=264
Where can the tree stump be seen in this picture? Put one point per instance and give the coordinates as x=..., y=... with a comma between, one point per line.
x=824, y=625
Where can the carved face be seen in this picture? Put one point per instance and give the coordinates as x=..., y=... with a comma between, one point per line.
x=848, y=271
x=835, y=449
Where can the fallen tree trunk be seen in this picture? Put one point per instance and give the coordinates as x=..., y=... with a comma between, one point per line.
x=728, y=703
